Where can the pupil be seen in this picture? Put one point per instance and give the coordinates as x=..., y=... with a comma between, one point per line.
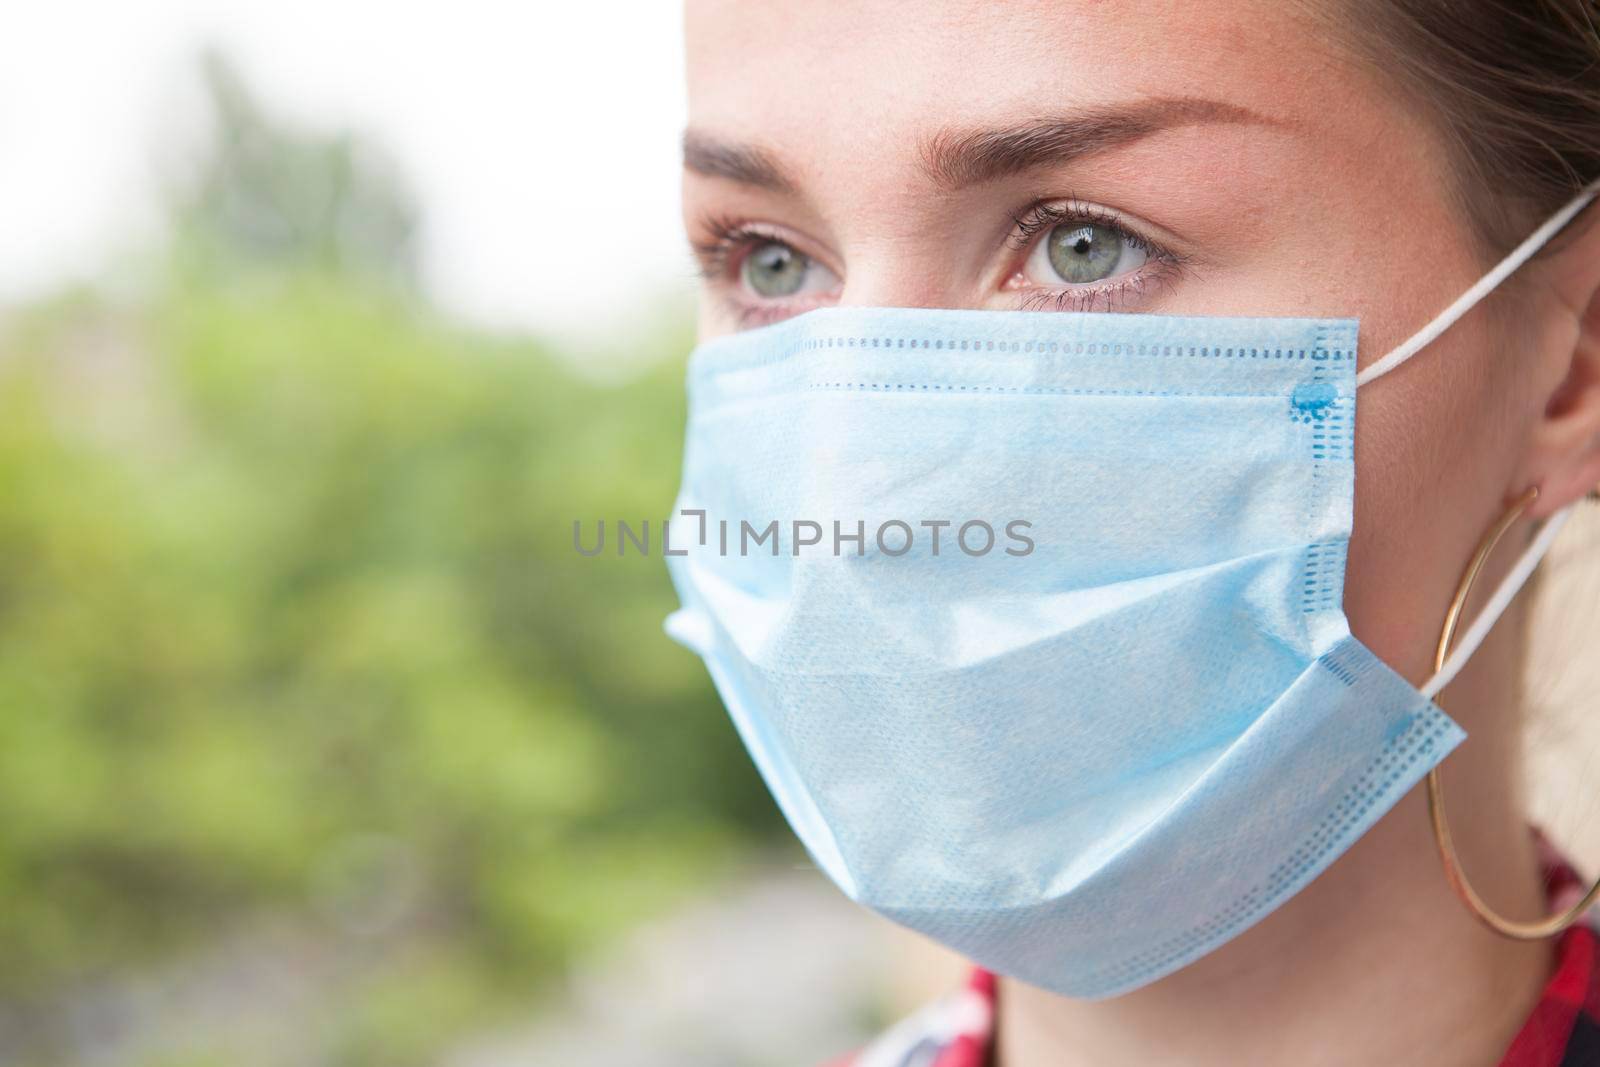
x=776, y=261
x=775, y=270
x=1083, y=253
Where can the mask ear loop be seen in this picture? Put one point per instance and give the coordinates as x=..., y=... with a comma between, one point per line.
x=1481, y=288
x=1447, y=664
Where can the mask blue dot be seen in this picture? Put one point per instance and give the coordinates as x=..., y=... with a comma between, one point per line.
x=1311, y=400
x=1399, y=727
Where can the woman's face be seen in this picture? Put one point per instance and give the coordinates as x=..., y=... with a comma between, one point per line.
x=1192, y=157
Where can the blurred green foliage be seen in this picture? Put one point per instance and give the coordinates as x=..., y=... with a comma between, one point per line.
x=291, y=622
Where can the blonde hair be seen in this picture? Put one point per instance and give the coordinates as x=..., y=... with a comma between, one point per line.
x=1562, y=691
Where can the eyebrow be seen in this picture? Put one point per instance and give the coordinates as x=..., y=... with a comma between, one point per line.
x=743, y=163
x=959, y=159
x=956, y=159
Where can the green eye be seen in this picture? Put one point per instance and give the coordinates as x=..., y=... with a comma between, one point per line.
x=775, y=270
x=1083, y=252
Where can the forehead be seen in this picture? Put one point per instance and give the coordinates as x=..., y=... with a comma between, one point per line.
x=864, y=80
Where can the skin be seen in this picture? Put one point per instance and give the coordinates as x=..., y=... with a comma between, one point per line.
x=1335, y=205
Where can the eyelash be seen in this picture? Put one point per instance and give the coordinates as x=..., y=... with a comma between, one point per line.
x=716, y=257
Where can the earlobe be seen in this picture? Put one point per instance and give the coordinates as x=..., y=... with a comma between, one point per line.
x=1567, y=441
x=1564, y=460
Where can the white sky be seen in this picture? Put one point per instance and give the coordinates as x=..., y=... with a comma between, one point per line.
x=541, y=138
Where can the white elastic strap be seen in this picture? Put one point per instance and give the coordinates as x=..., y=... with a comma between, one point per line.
x=1513, y=583
x=1446, y=318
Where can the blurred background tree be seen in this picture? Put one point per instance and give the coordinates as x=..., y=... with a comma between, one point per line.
x=264, y=192
x=294, y=643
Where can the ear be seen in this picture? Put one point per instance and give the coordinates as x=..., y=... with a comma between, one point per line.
x=1563, y=458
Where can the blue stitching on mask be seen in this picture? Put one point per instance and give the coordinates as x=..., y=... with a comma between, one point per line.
x=1323, y=579
x=1332, y=438
x=1041, y=390
x=1317, y=405
x=1320, y=355
x=1093, y=348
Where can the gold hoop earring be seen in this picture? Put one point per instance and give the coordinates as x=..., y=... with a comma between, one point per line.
x=1521, y=931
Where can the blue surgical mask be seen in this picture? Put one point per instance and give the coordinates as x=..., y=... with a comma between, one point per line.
x=1033, y=622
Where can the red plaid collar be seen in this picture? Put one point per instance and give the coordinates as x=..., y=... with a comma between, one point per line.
x=1564, y=1029
x=957, y=1030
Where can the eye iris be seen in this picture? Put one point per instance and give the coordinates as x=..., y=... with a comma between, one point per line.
x=1084, y=252
x=775, y=269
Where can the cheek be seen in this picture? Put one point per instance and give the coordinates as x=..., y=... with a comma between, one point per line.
x=713, y=317
x=1434, y=454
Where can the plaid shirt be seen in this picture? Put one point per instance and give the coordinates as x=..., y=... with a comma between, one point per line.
x=1564, y=1030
